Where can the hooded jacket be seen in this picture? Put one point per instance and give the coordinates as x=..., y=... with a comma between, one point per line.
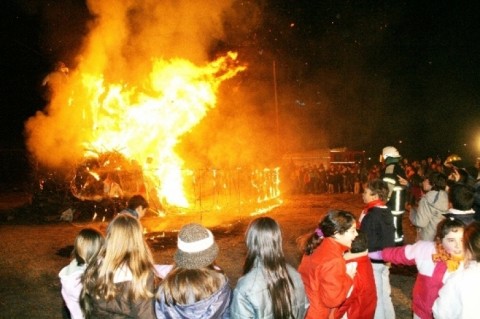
x=429, y=213
x=70, y=278
x=217, y=306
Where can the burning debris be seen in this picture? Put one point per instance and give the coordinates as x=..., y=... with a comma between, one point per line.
x=129, y=99
x=99, y=187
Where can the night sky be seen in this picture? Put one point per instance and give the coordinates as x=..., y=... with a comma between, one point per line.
x=361, y=74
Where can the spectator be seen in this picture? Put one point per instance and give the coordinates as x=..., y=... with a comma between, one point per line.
x=376, y=221
x=435, y=262
x=195, y=287
x=458, y=298
x=119, y=283
x=323, y=269
x=87, y=245
x=461, y=199
x=137, y=206
x=269, y=287
x=431, y=207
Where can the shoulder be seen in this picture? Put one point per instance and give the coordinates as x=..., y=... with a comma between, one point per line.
x=72, y=270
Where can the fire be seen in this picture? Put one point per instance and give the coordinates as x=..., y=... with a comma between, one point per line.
x=139, y=83
x=144, y=123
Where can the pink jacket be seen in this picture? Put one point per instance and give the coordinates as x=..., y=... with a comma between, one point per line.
x=431, y=276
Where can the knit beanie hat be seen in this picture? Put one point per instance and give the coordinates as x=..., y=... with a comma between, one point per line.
x=196, y=247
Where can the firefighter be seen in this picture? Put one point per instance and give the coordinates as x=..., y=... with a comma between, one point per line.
x=394, y=175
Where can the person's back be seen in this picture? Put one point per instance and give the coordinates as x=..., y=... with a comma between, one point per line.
x=120, y=282
x=432, y=206
x=461, y=197
x=269, y=288
x=195, y=287
x=87, y=245
x=252, y=287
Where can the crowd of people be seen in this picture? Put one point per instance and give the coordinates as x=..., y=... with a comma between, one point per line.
x=343, y=272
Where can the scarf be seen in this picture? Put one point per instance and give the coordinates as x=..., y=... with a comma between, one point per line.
x=373, y=203
x=452, y=262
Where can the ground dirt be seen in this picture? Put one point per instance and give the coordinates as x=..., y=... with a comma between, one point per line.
x=32, y=253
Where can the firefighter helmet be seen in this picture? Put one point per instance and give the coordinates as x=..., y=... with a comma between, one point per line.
x=390, y=151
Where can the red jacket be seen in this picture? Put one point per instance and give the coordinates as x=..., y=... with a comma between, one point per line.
x=325, y=278
x=362, y=302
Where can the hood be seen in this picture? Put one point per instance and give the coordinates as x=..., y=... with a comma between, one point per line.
x=216, y=306
x=438, y=200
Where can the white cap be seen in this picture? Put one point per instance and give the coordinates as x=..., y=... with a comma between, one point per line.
x=390, y=151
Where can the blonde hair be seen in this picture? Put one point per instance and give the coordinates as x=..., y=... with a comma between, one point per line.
x=125, y=247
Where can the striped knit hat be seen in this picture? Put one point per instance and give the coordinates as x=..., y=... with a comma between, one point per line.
x=196, y=247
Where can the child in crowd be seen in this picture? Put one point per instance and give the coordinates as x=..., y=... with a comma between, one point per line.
x=323, y=269
x=435, y=262
x=194, y=287
x=119, y=283
x=376, y=221
x=461, y=200
x=458, y=298
x=137, y=206
x=269, y=287
x=362, y=302
x=431, y=206
x=87, y=245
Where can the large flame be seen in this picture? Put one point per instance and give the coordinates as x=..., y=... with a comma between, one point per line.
x=131, y=102
x=145, y=125
x=144, y=122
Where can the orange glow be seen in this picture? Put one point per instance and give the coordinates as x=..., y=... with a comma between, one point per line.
x=144, y=122
x=142, y=80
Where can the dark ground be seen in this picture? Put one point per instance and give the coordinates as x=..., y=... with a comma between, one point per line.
x=34, y=250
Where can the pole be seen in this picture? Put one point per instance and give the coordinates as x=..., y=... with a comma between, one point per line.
x=277, y=131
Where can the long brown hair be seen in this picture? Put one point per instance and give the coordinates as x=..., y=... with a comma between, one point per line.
x=264, y=245
x=124, y=249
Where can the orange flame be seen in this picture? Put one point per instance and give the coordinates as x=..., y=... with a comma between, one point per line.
x=121, y=97
x=145, y=124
